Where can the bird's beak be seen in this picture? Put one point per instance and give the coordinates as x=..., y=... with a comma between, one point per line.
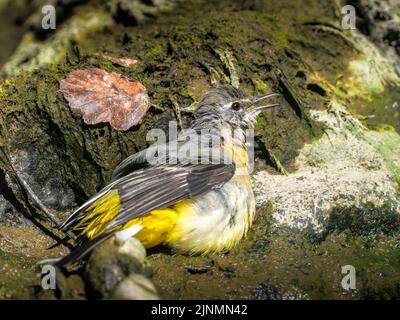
x=264, y=97
x=265, y=107
x=258, y=99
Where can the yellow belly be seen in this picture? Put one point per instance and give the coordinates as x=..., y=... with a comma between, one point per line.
x=159, y=226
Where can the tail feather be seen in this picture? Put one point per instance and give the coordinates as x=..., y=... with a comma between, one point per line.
x=90, y=222
x=79, y=213
x=81, y=251
x=94, y=216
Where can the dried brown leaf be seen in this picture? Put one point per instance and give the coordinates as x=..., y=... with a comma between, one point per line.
x=106, y=97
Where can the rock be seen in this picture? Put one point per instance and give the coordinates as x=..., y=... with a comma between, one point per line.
x=380, y=21
x=344, y=168
x=135, y=287
x=9, y=215
x=133, y=12
x=112, y=262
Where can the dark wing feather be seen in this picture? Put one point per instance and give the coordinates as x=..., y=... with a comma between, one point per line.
x=83, y=250
x=156, y=154
x=152, y=188
x=162, y=186
x=161, y=153
x=132, y=163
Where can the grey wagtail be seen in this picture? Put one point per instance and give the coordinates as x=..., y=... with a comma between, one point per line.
x=197, y=203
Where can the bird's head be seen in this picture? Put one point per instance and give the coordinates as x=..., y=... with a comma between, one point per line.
x=226, y=105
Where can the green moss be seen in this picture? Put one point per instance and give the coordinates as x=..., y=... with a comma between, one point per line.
x=13, y=283
x=281, y=41
x=379, y=111
x=260, y=86
x=387, y=144
x=398, y=183
x=229, y=62
x=21, y=249
x=370, y=220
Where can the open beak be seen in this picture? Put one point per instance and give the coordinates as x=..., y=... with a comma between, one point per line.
x=265, y=107
x=256, y=100
x=264, y=97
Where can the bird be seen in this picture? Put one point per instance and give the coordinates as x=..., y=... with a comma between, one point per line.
x=193, y=195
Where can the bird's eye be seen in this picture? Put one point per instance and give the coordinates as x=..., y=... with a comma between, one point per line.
x=236, y=106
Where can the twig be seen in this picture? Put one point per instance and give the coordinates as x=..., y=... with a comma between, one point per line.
x=177, y=110
x=269, y=155
x=156, y=107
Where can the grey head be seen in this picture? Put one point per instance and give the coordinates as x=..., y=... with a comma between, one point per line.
x=227, y=105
